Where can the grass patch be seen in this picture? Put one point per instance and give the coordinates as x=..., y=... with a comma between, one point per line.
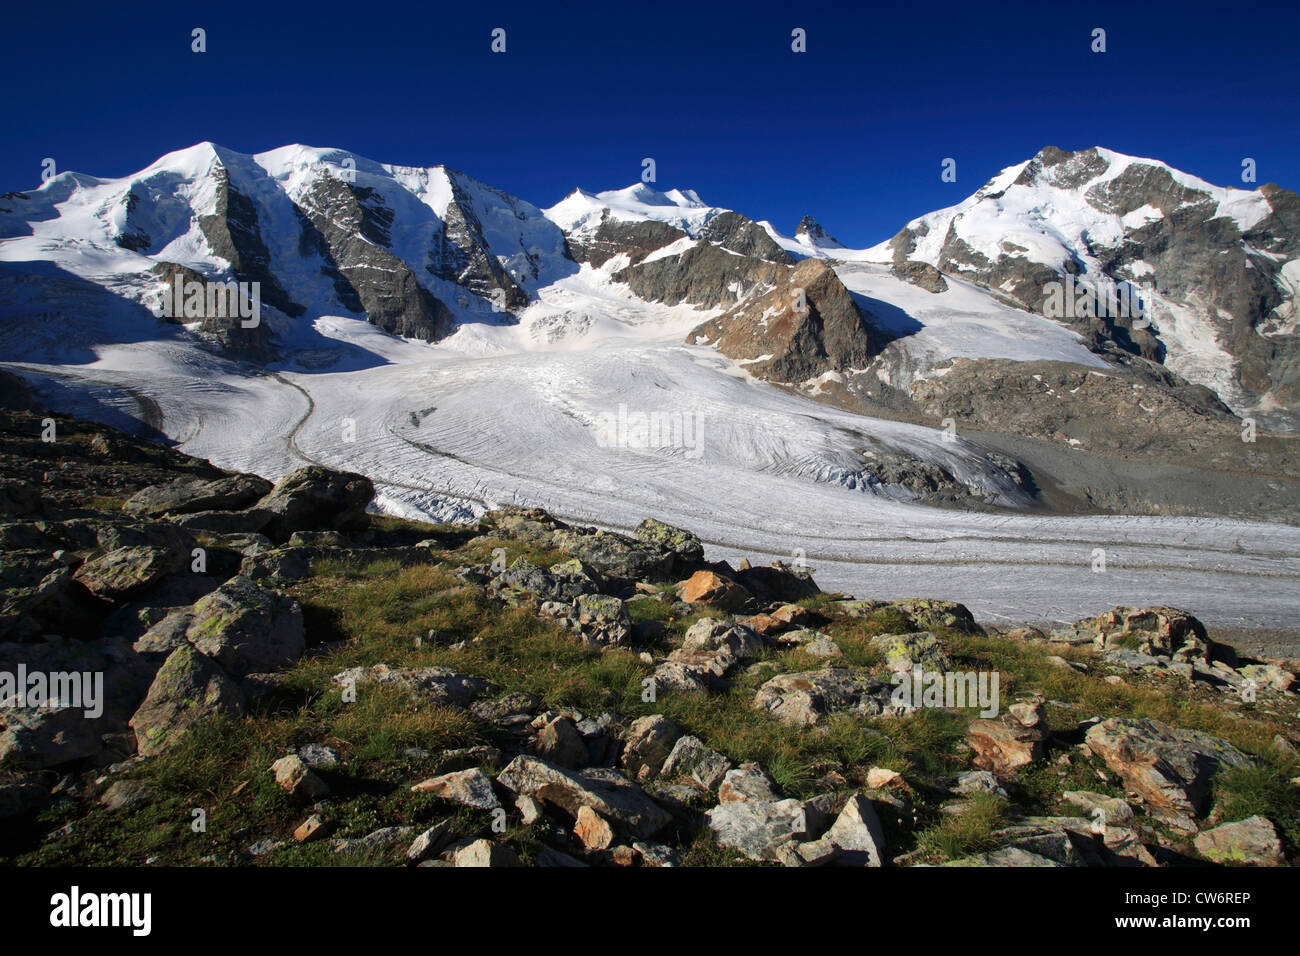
x=959, y=835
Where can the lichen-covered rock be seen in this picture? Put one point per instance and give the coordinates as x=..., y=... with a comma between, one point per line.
x=802, y=699
x=563, y=582
x=316, y=498
x=190, y=495
x=123, y=572
x=247, y=628
x=683, y=545
x=1157, y=631
x=602, y=620
x=188, y=688
x=615, y=557
x=1250, y=842
x=922, y=649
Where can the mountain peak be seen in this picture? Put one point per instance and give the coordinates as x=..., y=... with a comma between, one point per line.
x=811, y=231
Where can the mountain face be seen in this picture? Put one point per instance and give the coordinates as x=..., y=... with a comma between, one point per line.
x=1215, y=270
x=807, y=323
x=414, y=251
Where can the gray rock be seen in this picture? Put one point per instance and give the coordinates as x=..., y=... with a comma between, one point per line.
x=379, y=839
x=127, y=571
x=486, y=853
x=469, y=788
x=605, y=791
x=316, y=498
x=649, y=742
x=691, y=758
x=189, y=495
x=1250, y=842
x=749, y=781
x=124, y=794
x=857, y=834
x=758, y=828
x=247, y=628
x=802, y=699
x=188, y=688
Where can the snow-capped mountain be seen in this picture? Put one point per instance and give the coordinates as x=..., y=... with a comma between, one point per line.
x=1216, y=270
x=466, y=349
x=420, y=252
x=417, y=251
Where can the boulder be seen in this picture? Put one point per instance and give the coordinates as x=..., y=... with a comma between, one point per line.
x=34, y=738
x=615, y=557
x=469, y=788
x=486, y=853
x=606, y=792
x=1004, y=744
x=682, y=545
x=687, y=676
x=602, y=620
x=710, y=633
x=189, y=495
x=778, y=582
x=1165, y=632
x=804, y=698
x=649, y=742
x=188, y=688
x=690, y=758
x=1250, y=842
x=316, y=498
x=711, y=588
x=922, y=649
x=749, y=781
x=857, y=834
x=823, y=646
x=760, y=829
x=563, y=582
x=247, y=628
x=559, y=743
x=123, y=572
x=1170, y=767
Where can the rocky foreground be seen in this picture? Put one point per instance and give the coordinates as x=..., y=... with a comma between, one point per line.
x=288, y=679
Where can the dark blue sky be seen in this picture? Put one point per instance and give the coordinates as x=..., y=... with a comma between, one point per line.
x=852, y=132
